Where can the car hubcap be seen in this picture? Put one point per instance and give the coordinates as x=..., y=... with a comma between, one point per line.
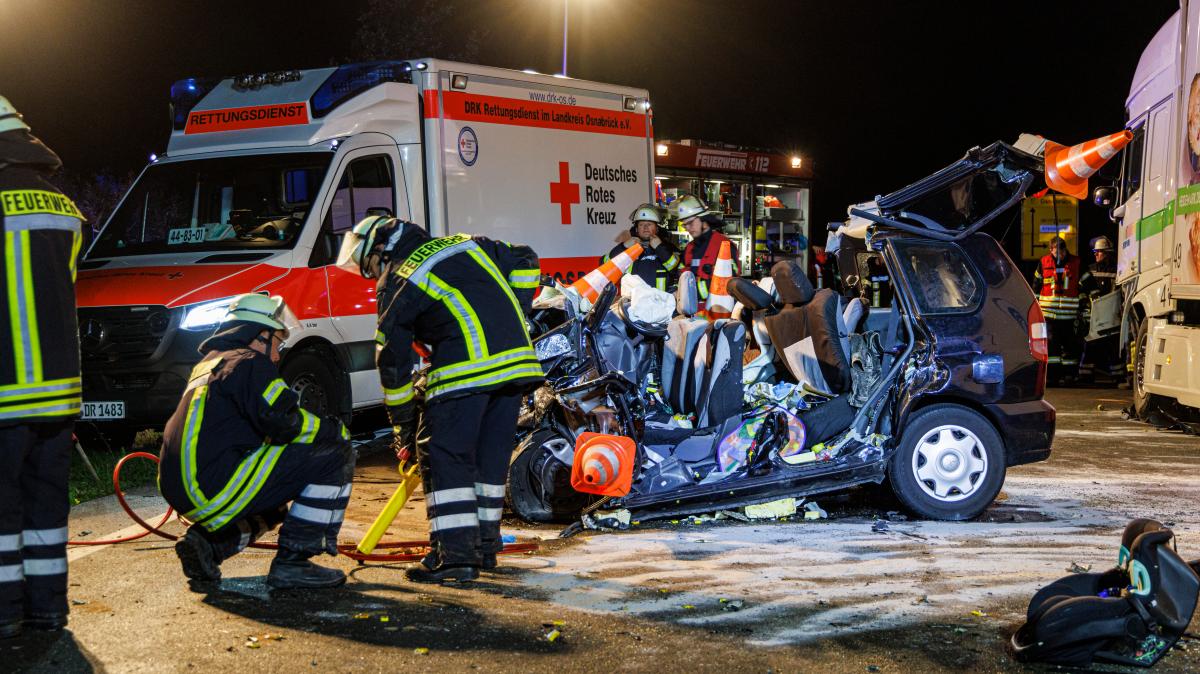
x=312, y=395
x=949, y=463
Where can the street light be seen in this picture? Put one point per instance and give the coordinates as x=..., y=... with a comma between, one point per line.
x=564, y=68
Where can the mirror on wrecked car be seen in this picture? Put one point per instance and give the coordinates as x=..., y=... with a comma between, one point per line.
x=1104, y=195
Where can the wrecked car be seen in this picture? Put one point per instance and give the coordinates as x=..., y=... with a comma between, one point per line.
x=935, y=389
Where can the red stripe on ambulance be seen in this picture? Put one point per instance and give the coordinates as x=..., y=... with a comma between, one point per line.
x=252, y=117
x=516, y=112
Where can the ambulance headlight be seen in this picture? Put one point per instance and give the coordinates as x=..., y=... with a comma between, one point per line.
x=206, y=315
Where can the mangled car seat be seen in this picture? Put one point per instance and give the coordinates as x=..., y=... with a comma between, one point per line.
x=810, y=331
x=1132, y=614
x=759, y=299
x=702, y=361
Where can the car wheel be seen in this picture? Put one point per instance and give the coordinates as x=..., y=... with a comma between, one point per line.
x=1144, y=404
x=950, y=464
x=539, y=480
x=311, y=378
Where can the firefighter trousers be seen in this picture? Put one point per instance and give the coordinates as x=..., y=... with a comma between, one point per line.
x=316, y=478
x=35, y=460
x=464, y=446
x=1065, y=347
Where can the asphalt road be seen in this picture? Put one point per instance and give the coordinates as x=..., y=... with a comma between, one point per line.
x=833, y=595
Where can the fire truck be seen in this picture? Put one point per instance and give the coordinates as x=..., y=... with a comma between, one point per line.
x=263, y=173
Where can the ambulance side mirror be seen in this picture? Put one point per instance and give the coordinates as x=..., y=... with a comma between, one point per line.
x=1104, y=196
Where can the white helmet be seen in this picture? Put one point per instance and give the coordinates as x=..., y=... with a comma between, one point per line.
x=357, y=244
x=1102, y=243
x=645, y=213
x=10, y=119
x=269, y=312
x=688, y=207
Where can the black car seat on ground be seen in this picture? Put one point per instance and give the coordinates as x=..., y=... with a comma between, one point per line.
x=749, y=294
x=1129, y=615
x=720, y=394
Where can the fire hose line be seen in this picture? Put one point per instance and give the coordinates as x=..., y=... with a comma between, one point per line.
x=346, y=549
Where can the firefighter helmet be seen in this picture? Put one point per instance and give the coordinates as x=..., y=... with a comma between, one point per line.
x=10, y=119
x=359, y=243
x=688, y=207
x=269, y=312
x=645, y=213
x=1102, y=243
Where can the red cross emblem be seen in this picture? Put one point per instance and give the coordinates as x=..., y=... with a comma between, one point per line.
x=564, y=192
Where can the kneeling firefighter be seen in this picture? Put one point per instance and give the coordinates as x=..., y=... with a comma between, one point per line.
x=466, y=298
x=239, y=447
x=659, y=264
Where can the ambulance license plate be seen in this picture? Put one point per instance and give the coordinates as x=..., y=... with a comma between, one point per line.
x=104, y=410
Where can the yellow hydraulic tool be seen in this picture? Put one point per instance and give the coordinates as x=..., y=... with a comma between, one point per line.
x=410, y=479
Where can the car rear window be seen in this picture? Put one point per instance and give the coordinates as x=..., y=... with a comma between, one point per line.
x=941, y=277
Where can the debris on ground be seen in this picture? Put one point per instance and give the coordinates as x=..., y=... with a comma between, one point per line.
x=731, y=514
x=421, y=650
x=880, y=526
x=508, y=538
x=553, y=635
x=732, y=604
x=814, y=511
x=771, y=510
x=1076, y=567
x=607, y=520
x=979, y=614
x=896, y=516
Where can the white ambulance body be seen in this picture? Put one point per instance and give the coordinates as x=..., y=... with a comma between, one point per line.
x=263, y=174
x=1158, y=213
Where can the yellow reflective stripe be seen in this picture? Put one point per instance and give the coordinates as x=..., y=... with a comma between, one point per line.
x=56, y=392
x=471, y=367
x=660, y=283
x=398, y=396
x=702, y=288
x=22, y=309
x=518, y=371
x=671, y=263
x=52, y=384
x=206, y=509
x=274, y=389
x=345, y=432
x=468, y=322
x=490, y=267
x=308, y=431
x=430, y=254
x=524, y=278
x=76, y=244
x=191, y=432
x=261, y=473
x=58, y=406
x=380, y=338
x=22, y=202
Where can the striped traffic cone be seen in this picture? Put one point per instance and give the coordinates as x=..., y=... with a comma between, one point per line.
x=720, y=303
x=1068, y=168
x=603, y=464
x=590, y=286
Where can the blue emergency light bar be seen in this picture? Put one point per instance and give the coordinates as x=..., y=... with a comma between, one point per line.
x=185, y=94
x=353, y=79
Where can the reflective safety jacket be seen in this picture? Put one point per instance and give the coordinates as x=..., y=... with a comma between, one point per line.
x=1059, y=287
x=700, y=256
x=1100, y=278
x=235, y=419
x=466, y=298
x=40, y=238
x=656, y=266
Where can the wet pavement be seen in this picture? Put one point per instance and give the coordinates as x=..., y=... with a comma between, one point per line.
x=846, y=594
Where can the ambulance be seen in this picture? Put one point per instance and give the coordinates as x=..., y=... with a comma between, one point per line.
x=1157, y=207
x=264, y=173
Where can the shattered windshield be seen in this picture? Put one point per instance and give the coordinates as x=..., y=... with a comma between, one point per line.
x=225, y=203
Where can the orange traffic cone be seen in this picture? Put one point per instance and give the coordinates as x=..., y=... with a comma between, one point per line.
x=720, y=303
x=590, y=286
x=1068, y=168
x=603, y=464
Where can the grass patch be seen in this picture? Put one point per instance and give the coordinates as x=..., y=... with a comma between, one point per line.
x=137, y=472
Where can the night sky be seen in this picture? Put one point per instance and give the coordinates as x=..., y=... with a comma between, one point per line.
x=876, y=95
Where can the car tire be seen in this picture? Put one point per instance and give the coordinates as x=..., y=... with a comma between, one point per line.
x=319, y=388
x=950, y=463
x=1144, y=404
x=539, y=485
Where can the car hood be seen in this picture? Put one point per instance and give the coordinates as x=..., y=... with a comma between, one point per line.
x=171, y=281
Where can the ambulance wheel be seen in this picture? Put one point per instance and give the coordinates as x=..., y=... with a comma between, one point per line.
x=310, y=377
x=539, y=481
x=1144, y=404
x=950, y=464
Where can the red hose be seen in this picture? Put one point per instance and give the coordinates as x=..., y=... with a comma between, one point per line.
x=346, y=549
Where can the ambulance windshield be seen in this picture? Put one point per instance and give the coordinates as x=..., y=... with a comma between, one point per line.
x=224, y=203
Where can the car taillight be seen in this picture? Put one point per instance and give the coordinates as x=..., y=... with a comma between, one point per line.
x=1039, y=344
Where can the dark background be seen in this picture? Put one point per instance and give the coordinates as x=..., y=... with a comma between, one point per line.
x=874, y=95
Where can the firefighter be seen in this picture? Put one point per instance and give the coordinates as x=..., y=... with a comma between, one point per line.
x=1102, y=355
x=40, y=237
x=1058, y=278
x=239, y=448
x=659, y=262
x=466, y=298
x=700, y=256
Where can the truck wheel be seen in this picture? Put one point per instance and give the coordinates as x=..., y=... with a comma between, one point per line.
x=319, y=388
x=539, y=481
x=950, y=464
x=1144, y=404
